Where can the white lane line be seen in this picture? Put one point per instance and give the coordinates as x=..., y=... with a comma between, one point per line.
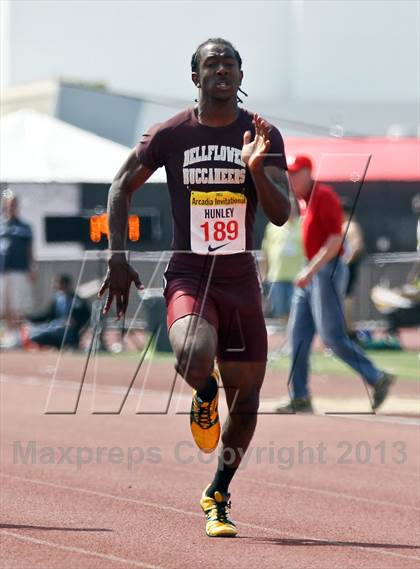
x=89, y=387
x=102, y=494
x=282, y=534
x=107, y=556
x=385, y=552
x=407, y=421
x=335, y=494
x=267, y=404
x=304, y=489
x=395, y=470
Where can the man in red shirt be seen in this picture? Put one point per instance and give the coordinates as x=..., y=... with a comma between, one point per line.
x=318, y=301
x=220, y=162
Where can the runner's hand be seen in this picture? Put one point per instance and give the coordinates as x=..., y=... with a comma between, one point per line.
x=254, y=151
x=118, y=280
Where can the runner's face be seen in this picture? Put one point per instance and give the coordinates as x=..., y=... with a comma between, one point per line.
x=219, y=74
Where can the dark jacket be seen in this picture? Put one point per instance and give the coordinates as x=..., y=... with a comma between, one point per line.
x=60, y=308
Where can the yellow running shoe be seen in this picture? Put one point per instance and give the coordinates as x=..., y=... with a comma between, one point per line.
x=217, y=510
x=204, y=420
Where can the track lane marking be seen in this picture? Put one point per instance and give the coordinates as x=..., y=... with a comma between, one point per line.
x=304, y=489
x=336, y=494
x=267, y=403
x=387, y=419
x=196, y=514
x=107, y=556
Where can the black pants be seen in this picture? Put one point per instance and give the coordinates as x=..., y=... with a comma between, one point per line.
x=52, y=335
x=403, y=318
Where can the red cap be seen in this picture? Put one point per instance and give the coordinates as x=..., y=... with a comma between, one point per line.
x=296, y=163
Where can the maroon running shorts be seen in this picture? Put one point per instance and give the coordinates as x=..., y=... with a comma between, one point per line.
x=228, y=296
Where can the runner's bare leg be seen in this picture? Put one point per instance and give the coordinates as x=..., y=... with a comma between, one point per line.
x=242, y=382
x=194, y=342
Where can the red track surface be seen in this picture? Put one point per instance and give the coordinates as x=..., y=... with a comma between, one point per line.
x=298, y=514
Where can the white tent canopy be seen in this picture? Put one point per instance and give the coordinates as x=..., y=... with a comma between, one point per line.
x=38, y=148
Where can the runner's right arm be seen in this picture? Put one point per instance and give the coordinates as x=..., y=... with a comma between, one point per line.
x=131, y=176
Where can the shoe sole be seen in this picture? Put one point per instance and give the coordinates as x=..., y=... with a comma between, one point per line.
x=281, y=411
x=226, y=535
x=392, y=382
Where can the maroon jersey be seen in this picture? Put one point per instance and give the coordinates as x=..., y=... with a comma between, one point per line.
x=213, y=197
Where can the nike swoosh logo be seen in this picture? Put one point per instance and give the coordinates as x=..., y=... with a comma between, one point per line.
x=211, y=249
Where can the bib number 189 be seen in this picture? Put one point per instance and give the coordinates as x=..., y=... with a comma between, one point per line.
x=220, y=230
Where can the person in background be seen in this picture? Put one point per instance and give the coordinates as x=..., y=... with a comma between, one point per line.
x=53, y=327
x=408, y=316
x=283, y=259
x=17, y=271
x=318, y=302
x=353, y=253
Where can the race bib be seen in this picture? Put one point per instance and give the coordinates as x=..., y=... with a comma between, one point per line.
x=218, y=223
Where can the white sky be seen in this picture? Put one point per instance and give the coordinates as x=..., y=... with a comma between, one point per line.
x=358, y=50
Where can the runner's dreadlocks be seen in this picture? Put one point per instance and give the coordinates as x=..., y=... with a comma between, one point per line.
x=195, y=59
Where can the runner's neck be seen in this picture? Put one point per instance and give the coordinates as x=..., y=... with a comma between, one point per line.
x=216, y=113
